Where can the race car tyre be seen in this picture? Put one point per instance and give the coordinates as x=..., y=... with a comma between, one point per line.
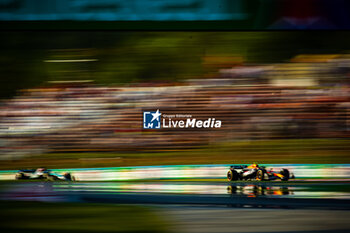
x=285, y=174
x=260, y=175
x=68, y=176
x=232, y=175
x=20, y=176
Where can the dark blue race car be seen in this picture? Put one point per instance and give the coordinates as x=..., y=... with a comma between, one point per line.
x=42, y=174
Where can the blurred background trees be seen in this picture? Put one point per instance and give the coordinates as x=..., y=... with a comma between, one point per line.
x=126, y=57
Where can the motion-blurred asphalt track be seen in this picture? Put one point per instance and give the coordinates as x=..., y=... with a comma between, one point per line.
x=297, y=206
x=295, y=194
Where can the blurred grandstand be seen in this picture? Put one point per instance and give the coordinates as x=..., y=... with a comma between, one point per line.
x=307, y=97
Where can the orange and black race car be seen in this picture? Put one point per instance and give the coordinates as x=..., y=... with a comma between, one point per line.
x=256, y=172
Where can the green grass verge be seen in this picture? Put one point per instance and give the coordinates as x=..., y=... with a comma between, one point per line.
x=74, y=217
x=267, y=151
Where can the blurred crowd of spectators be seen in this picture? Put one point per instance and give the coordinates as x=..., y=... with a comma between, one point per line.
x=82, y=116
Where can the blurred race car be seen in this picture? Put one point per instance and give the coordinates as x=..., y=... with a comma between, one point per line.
x=256, y=172
x=42, y=174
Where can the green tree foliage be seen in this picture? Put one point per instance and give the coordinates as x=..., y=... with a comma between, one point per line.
x=124, y=57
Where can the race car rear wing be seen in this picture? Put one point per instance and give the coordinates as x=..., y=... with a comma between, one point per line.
x=238, y=166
